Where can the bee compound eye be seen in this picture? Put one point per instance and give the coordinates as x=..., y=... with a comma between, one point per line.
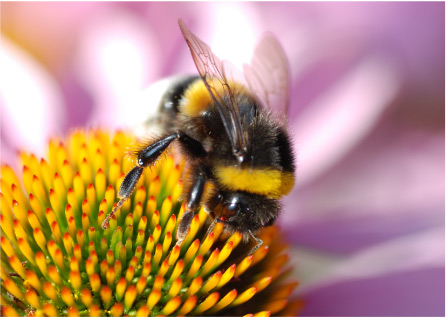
x=234, y=207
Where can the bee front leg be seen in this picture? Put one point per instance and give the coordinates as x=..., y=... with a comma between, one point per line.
x=193, y=203
x=126, y=189
x=146, y=157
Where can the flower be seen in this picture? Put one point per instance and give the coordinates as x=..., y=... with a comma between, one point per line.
x=367, y=113
x=57, y=260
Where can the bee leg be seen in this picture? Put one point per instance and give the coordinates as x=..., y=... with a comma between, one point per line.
x=193, y=202
x=150, y=154
x=126, y=189
x=258, y=240
x=147, y=157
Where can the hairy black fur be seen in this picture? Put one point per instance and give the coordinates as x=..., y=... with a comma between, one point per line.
x=268, y=147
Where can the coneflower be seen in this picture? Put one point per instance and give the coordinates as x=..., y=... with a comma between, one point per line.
x=57, y=260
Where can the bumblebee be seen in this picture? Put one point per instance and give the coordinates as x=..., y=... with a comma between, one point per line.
x=233, y=134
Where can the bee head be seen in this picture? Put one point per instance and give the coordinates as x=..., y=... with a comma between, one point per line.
x=244, y=211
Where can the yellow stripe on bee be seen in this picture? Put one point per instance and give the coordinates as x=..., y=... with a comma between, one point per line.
x=197, y=98
x=263, y=181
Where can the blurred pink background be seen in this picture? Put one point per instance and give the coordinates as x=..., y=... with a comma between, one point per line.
x=366, y=218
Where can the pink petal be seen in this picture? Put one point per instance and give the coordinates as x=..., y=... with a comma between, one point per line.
x=423, y=249
x=325, y=131
x=117, y=58
x=32, y=106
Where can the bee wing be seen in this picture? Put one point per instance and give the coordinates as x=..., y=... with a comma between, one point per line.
x=215, y=76
x=268, y=76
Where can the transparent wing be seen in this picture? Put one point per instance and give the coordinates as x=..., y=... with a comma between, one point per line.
x=268, y=76
x=214, y=74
